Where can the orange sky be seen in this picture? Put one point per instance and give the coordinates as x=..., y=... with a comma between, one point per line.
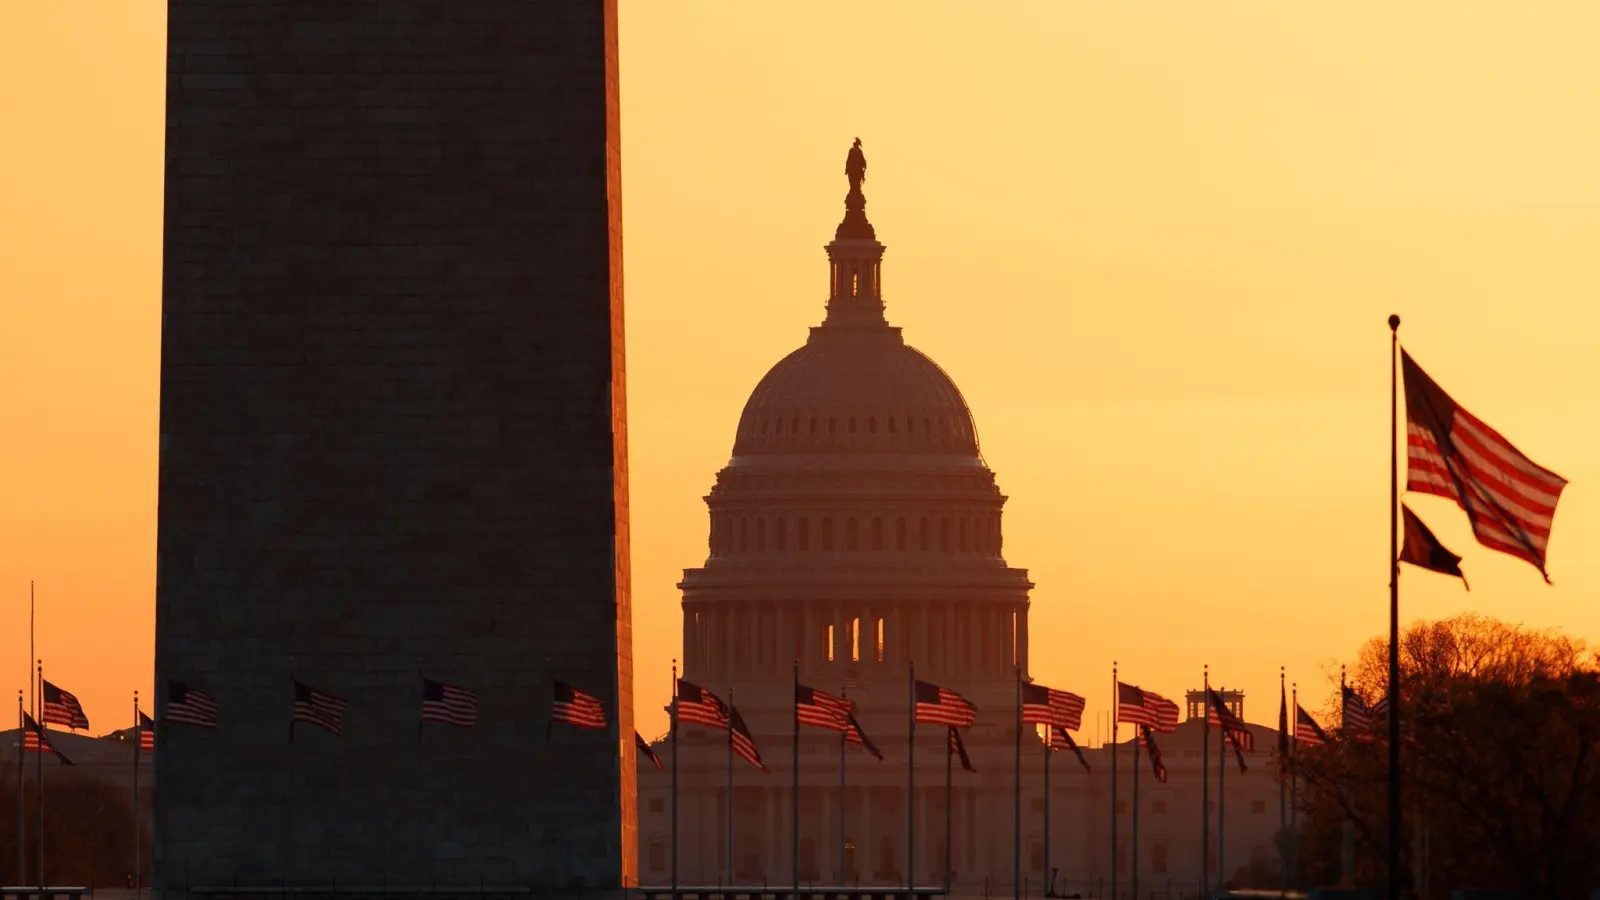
x=1153, y=241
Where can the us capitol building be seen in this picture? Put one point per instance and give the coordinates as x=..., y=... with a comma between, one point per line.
x=857, y=529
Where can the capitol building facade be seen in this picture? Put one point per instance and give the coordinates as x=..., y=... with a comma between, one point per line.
x=857, y=531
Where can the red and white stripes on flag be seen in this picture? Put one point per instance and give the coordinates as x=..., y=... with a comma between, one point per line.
x=1219, y=714
x=318, y=708
x=62, y=708
x=821, y=709
x=648, y=751
x=854, y=735
x=1509, y=499
x=743, y=743
x=575, y=707
x=1358, y=718
x=1048, y=706
x=448, y=704
x=187, y=706
x=854, y=681
x=1140, y=707
x=147, y=733
x=939, y=706
x=959, y=749
x=34, y=738
x=699, y=706
x=1306, y=729
x=1156, y=765
x=1060, y=740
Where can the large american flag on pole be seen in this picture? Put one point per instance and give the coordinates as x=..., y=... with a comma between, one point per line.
x=147, y=733
x=821, y=709
x=1060, y=740
x=1306, y=729
x=1509, y=499
x=1137, y=706
x=318, y=708
x=62, y=707
x=188, y=706
x=1048, y=706
x=449, y=704
x=34, y=738
x=940, y=706
x=744, y=743
x=699, y=706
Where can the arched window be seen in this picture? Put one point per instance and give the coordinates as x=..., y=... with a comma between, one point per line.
x=827, y=534
x=961, y=531
x=944, y=535
x=877, y=533
x=900, y=533
x=804, y=526
x=744, y=534
x=852, y=534
x=761, y=535
x=922, y=535
x=782, y=533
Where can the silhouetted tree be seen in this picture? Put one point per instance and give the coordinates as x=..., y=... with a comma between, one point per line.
x=88, y=825
x=1500, y=728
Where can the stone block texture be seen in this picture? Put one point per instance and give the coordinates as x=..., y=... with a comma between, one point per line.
x=393, y=442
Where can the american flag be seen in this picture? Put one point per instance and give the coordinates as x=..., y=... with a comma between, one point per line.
x=1141, y=707
x=743, y=743
x=1358, y=717
x=147, y=733
x=448, y=704
x=699, y=706
x=1060, y=740
x=1306, y=729
x=938, y=706
x=820, y=708
x=1156, y=765
x=62, y=708
x=318, y=708
x=1241, y=741
x=854, y=681
x=1220, y=714
x=187, y=706
x=1424, y=550
x=34, y=737
x=1048, y=706
x=854, y=735
x=959, y=750
x=648, y=751
x=575, y=707
x=1509, y=499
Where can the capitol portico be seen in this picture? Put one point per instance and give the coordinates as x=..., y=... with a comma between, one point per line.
x=857, y=530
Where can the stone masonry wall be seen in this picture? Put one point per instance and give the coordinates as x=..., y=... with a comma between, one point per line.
x=393, y=441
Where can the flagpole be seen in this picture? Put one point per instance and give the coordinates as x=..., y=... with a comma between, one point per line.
x=1016, y=799
x=32, y=687
x=1283, y=800
x=1049, y=882
x=1294, y=784
x=1394, y=609
x=672, y=725
x=1205, y=779
x=40, y=770
x=947, y=862
x=1133, y=849
x=1222, y=795
x=911, y=775
x=1115, y=715
x=1347, y=833
x=138, y=838
x=729, y=860
x=843, y=735
x=794, y=796
x=22, y=739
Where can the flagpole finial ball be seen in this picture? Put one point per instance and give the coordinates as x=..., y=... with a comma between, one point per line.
x=1394, y=323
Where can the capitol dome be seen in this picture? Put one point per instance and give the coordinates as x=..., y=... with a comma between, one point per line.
x=855, y=391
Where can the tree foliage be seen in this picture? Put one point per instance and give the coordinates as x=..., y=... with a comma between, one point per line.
x=1500, y=758
x=88, y=829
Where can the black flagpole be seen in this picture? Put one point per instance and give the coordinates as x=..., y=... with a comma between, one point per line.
x=672, y=725
x=39, y=722
x=911, y=776
x=947, y=861
x=1049, y=736
x=1222, y=794
x=1016, y=801
x=794, y=797
x=1394, y=609
x=1133, y=850
x=1205, y=780
x=843, y=738
x=1289, y=718
x=138, y=838
x=22, y=739
x=729, y=866
x=1294, y=784
x=1116, y=710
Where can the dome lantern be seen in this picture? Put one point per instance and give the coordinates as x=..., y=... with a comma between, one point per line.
x=855, y=258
